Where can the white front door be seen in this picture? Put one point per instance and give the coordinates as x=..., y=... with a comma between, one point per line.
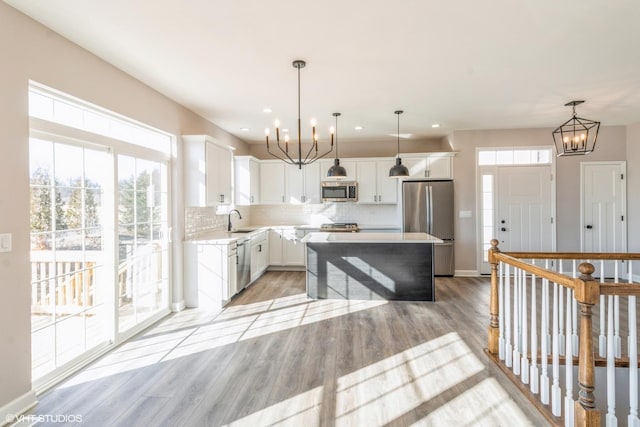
x=603, y=199
x=524, y=218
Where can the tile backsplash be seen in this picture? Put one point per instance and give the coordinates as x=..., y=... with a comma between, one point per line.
x=199, y=220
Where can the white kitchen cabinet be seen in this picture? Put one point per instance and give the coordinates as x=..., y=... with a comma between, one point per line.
x=259, y=254
x=374, y=184
x=303, y=185
x=275, y=247
x=286, y=248
x=292, y=247
x=208, y=167
x=210, y=274
x=347, y=164
x=247, y=180
x=429, y=165
x=272, y=182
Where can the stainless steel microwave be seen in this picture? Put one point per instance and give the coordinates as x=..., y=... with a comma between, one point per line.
x=339, y=191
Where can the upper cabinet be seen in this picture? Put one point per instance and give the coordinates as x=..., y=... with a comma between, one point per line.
x=374, y=184
x=429, y=165
x=272, y=182
x=247, y=180
x=303, y=185
x=284, y=183
x=208, y=169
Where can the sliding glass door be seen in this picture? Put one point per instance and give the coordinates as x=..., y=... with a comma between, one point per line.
x=70, y=274
x=143, y=272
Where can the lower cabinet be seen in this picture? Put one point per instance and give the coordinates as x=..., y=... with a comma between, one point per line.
x=285, y=247
x=210, y=274
x=259, y=254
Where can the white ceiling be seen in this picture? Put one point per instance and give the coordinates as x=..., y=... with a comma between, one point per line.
x=465, y=64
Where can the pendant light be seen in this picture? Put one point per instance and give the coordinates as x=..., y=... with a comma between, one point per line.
x=336, y=170
x=577, y=135
x=398, y=170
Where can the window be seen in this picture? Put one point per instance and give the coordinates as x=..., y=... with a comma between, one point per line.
x=504, y=157
x=99, y=221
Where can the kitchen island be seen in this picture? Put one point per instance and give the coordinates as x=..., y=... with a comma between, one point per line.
x=370, y=266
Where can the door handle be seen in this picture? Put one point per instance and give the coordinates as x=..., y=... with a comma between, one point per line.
x=503, y=229
x=589, y=227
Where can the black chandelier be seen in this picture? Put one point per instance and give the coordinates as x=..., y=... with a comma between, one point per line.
x=312, y=154
x=577, y=135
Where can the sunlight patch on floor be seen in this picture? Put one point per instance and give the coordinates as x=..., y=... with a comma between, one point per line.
x=192, y=331
x=485, y=404
x=300, y=410
x=383, y=391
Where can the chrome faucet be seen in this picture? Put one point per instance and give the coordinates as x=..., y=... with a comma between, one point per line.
x=229, y=218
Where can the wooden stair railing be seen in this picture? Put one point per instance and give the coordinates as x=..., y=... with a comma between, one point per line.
x=587, y=292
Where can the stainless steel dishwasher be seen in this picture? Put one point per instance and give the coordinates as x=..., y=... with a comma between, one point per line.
x=243, y=263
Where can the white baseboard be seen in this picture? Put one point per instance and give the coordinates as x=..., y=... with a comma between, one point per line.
x=178, y=306
x=466, y=273
x=10, y=412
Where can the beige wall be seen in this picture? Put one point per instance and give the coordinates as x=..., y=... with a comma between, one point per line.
x=633, y=183
x=611, y=145
x=31, y=51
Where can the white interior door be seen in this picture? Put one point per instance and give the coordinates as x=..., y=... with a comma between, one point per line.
x=524, y=217
x=603, y=199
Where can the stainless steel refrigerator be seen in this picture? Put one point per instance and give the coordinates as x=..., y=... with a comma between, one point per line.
x=427, y=206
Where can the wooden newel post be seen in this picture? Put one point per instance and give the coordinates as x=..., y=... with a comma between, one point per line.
x=494, y=309
x=587, y=292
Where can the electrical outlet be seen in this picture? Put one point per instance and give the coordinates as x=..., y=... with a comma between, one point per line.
x=5, y=242
x=464, y=214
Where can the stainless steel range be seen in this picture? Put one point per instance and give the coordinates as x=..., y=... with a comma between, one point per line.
x=337, y=227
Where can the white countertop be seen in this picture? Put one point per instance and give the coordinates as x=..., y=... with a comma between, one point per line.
x=364, y=237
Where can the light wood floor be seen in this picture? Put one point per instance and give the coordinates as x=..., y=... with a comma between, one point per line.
x=272, y=357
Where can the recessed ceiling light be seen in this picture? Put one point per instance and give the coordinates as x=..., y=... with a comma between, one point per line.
x=285, y=130
x=435, y=125
x=244, y=129
x=359, y=128
x=267, y=110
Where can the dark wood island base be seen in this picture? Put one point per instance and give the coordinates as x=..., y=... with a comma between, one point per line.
x=370, y=271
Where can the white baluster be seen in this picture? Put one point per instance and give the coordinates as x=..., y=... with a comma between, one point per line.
x=611, y=419
x=574, y=310
x=516, y=321
x=501, y=311
x=555, y=387
x=533, y=374
x=568, y=371
x=616, y=314
x=507, y=318
x=524, y=369
x=602, y=340
x=632, y=419
x=544, y=342
x=633, y=365
x=561, y=315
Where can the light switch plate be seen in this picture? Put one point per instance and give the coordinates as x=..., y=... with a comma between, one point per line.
x=5, y=242
x=464, y=214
